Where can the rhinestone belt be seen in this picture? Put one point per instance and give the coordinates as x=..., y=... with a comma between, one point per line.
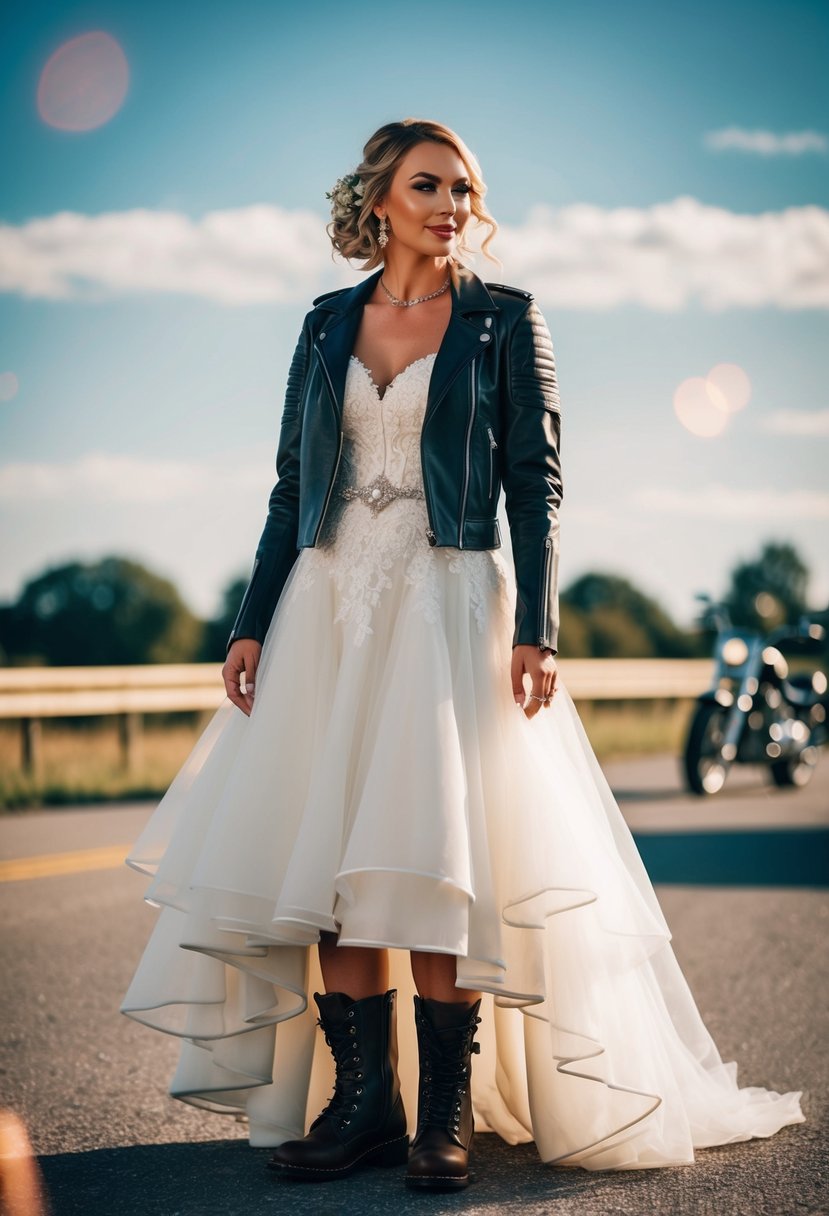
x=380, y=492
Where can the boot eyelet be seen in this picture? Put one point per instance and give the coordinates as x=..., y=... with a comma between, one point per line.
x=359, y=1089
x=352, y=1030
x=355, y=1059
x=350, y=1013
x=359, y=1076
x=344, y=1122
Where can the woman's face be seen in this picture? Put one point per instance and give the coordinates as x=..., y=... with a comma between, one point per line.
x=429, y=190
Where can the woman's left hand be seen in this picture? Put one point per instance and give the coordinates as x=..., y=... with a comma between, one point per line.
x=541, y=666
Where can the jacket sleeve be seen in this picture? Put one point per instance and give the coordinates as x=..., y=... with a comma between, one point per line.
x=277, y=549
x=532, y=478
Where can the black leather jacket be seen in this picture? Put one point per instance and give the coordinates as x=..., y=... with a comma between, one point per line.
x=493, y=417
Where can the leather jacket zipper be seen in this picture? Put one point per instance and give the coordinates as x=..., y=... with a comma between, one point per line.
x=339, y=450
x=430, y=532
x=545, y=591
x=492, y=446
x=473, y=387
x=330, y=488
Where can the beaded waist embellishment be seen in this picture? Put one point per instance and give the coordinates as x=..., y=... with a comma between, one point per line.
x=380, y=492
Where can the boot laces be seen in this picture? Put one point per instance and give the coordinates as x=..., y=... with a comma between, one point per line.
x=445, y=1075
x=348, y=1077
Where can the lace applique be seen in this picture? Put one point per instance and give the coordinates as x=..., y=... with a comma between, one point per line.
x=364, y=554
x=484, y=576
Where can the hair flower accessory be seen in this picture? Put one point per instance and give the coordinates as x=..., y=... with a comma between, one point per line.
x=346, y=194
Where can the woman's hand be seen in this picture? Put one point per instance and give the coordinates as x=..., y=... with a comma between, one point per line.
x=541, y=666
x=243, y=656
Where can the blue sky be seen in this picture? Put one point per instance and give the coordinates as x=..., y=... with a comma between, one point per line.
x=659, y=173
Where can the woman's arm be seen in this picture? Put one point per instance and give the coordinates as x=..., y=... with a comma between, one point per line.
x=532, y=477
x=277, y=549
x=533, y=491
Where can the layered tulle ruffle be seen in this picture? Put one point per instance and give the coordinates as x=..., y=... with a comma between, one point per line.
x=387, y=787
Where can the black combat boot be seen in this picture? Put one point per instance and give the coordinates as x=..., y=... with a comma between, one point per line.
x=364, y=1122
x=439, y=1156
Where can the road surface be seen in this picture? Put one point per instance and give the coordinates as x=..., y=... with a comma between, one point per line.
x=749, y=933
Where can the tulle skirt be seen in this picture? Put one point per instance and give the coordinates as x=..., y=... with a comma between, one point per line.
x=386, y=787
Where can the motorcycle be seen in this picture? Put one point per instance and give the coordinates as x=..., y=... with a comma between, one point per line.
x=757, y=709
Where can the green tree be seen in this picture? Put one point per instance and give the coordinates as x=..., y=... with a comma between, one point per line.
x=217, y=629
x=769, y=590
x=110, y=612
x=574, y=634
x=620, y=621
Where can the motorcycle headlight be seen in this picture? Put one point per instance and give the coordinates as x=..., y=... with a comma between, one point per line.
x=735, y=652
x=774, y=659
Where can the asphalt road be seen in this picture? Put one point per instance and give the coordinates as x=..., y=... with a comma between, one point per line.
x=90, y=1084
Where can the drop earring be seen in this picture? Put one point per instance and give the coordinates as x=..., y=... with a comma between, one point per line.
x=383, y=238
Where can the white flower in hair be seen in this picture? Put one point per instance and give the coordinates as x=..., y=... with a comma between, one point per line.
x=346, y=194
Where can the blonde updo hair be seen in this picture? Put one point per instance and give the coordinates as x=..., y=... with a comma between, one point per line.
x=354, y=229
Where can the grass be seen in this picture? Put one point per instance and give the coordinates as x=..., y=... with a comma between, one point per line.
x=81, y=762
x=81, y=759
x=619, y=729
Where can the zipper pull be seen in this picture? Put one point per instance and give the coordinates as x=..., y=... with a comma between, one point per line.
x=492, y=442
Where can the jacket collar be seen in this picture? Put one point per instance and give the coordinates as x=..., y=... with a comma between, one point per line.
x=461, y=342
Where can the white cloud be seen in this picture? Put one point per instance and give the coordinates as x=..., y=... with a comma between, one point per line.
x=664, y=257
x=725, y=502
x=252, y=255
x=670, y=255
x=104, y=477
x=767, y=143
x=813, y=423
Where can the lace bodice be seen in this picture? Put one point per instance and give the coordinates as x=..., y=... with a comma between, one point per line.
x=382, y=435
x=362, y=549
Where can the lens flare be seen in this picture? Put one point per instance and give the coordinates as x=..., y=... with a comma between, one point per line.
x=703, y=404
x=700, y=407
x=83, y=83
x=733, y=383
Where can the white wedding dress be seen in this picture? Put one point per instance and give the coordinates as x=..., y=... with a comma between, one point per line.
x=387, y=787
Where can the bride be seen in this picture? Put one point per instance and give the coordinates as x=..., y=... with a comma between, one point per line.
x=397, y=803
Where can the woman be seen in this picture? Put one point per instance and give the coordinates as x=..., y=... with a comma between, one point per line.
x=379, y=789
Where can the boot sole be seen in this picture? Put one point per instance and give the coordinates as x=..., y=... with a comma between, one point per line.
x=439, y=1182
x=392, y=1152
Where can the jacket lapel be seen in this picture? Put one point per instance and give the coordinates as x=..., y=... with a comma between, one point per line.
x=461, y=342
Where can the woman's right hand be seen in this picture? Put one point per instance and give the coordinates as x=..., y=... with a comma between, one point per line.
x=243, y=656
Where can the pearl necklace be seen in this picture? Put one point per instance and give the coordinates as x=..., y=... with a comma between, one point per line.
x=417, y=299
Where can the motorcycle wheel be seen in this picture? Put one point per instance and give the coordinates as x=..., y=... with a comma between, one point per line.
x=797, y=771
x=705, y=769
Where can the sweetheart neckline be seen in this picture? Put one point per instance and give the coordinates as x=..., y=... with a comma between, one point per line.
x=394, y=379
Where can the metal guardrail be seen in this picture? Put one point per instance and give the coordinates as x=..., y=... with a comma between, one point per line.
x=30, y=694
x=71, y=692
